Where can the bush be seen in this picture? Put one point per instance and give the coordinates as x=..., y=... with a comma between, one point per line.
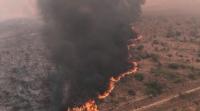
x=160, y=71
x=178, y=33
x=198, y=53
x=192, y=76
x=153, y=88
x=139, y=76
x=173, y=77
x=171, y=33
x=131, y=93
x=194, y=33
x=155, y=57
x=167, y=74
x=141, y=55
x=174, y=66
x=140, y=47
x=198, y=60
x=156, y=42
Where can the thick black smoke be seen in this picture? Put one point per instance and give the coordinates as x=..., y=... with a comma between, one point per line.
x=88, y=41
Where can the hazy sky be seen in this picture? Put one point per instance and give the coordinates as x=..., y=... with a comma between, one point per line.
x=17, y=8
x=27, y=8
x=172, y=6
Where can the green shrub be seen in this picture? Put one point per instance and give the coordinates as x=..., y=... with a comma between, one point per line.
x=139, y=76
x=153, y=88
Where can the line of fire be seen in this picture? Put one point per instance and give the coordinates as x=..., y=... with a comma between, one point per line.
x=89, y=41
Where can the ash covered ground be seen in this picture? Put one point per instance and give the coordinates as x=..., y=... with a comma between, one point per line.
x=24, y=67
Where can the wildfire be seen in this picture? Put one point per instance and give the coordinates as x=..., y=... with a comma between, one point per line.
x=90, y=105
x=114, y=80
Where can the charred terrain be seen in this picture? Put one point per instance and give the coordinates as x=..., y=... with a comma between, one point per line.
x=24, y=67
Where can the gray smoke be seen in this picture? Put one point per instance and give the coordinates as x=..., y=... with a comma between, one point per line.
x=88, y=43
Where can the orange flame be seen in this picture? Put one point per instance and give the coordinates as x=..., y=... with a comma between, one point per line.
x=114, y=80
x=90, y=105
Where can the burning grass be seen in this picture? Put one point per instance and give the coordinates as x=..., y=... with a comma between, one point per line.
x=90, y=105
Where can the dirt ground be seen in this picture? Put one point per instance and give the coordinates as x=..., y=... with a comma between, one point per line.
x=169, y=60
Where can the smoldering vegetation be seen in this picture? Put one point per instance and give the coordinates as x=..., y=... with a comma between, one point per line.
x=88, y=44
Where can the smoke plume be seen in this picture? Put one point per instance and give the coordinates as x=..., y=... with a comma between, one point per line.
x=88, y=43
